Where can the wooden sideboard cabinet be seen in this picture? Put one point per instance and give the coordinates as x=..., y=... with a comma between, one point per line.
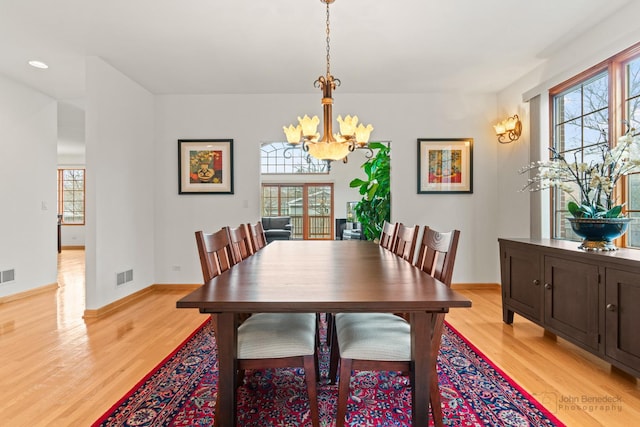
x=591, y=299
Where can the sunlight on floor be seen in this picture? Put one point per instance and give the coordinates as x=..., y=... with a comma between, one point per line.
x=70, y=296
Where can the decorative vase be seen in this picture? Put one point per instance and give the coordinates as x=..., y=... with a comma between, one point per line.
x=204, y=173
x=598, y=233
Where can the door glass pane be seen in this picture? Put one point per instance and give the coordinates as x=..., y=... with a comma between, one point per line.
x=319, y=208
x=291, y=203
x=269, y=201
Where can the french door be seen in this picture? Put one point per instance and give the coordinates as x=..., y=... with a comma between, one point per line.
x=309, y=205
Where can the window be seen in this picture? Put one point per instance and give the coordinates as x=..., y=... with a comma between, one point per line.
x=71, y=196
x=310, y=206
x=280, y=158
x=584, y=116
x=581, y=117
x=632, y=190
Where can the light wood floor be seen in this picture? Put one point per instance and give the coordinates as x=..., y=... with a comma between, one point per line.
x=58, y=370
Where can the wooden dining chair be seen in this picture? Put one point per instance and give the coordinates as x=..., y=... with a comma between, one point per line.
x=215, y=253
x=405, y=243
x=388, y=240
x=265, y=340
x=382, y=341
x=388, y=235
x=241, y=247
x=258, y=239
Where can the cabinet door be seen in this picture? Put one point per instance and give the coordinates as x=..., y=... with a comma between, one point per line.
x=622, y=317
x=521, y=284
x=571, y=299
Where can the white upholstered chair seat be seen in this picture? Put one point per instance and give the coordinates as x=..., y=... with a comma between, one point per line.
x=276, y=335
x=373, y=336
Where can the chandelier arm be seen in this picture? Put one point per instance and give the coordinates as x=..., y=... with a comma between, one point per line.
x=502, y=139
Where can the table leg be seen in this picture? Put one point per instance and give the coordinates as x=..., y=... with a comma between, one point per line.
x=420, y=373
x=227, y=365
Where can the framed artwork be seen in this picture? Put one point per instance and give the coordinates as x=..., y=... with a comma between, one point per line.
x=445, y=165
x=205, y=166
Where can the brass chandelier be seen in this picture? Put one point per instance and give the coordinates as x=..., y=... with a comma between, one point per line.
x=328, y=147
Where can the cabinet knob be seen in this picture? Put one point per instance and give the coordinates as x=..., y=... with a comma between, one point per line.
x=547, y=285
x=536, y=282
x=611, y=307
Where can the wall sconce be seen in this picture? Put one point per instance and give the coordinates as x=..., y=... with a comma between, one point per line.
x=509, y=130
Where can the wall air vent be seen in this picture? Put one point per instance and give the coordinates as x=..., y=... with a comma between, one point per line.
x=124, y=277
x=8, y=276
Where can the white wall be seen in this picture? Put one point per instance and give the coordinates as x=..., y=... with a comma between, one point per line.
x=27, y=187
x=252, y=119
x=121, y=177
x=612, y=35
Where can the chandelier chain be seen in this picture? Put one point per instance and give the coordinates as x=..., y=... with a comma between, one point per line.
x=328, y=43
x=329, y=146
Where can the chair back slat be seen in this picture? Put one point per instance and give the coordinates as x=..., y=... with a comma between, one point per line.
x=214, y=250
x=388, y=235
x=241, y=247
x=437, y=254
x=406, y=239
x=258, y=239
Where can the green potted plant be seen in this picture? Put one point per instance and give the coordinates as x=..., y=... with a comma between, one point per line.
x=375, y=206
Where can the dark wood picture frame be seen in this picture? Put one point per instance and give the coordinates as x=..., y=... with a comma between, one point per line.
x=445, y=165
x=205, y=166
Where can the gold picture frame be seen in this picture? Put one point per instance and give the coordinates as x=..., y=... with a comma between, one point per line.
x=445, y=165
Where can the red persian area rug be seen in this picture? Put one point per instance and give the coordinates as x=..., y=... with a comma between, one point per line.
x=181, y=391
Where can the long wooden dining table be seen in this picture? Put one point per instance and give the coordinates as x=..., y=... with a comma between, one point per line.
x=328, y=276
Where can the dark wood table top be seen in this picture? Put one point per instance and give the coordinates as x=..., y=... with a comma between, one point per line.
x=323, y=276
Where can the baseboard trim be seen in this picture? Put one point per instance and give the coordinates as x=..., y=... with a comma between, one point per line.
x=116, y=305
x=72, y=248
x=129, y=299
x=29, y=293
x=173, y=287
x=475, y=286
